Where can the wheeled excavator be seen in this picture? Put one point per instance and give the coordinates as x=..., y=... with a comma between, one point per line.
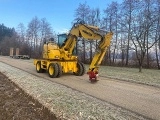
x=58, y=58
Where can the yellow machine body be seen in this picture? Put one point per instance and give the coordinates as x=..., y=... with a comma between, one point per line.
x=60, y=59
x=51, y=51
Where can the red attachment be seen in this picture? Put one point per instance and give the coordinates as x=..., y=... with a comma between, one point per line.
x=92, y=75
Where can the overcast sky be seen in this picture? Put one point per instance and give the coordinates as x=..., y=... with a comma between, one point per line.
x=59, y=13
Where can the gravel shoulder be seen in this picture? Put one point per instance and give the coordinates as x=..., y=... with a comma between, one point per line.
x=65, y=102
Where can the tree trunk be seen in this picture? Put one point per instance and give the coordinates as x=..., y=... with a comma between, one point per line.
x=140, y=63
x=129, y=32
x=127, y=55
x=114, y=56
x=140, y=68
x=147, y=52
x=107, y=58
x=122, y=57
x=157, y=60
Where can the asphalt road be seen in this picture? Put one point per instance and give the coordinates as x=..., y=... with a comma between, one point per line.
x=141, y=99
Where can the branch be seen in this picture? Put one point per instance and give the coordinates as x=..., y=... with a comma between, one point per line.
x=153, y=43
x=131, y=48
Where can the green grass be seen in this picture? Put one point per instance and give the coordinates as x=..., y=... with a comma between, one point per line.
x=147, y=76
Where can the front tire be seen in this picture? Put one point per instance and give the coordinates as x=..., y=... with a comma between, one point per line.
x=53, y=70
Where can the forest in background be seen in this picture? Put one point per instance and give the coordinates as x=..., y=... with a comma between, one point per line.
x=135, y=24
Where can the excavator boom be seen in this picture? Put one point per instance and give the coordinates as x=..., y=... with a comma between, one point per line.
x=89, y=33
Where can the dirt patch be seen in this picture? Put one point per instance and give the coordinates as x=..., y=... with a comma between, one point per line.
x=17, y=105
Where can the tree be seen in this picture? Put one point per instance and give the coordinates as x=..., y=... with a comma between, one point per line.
x=6, y=31
x=157, y=34
x=45, y=29
x=21, y=30
x=94, y=19
x=45, y=33
x=142, y=40
x=6, y=37
x=24, y=46
x=129, y=8
x=111, y=24
x=114, y=8
x=33, y=32
x=82, y=13
x=150, y=17
x=38, y=30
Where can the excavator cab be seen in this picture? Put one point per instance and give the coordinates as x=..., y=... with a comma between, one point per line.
x=61, y=39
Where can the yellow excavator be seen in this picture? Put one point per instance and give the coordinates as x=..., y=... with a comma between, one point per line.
x=58, y=58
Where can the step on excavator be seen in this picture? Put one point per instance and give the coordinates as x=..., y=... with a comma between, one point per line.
x=58, y=58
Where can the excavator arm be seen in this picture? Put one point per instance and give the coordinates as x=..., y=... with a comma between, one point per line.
x=100, y=52
x=88, y=33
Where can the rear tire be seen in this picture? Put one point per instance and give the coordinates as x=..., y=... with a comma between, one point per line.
x=80, y=69
x=83, y=68
x=38, y=67
x=59, y=70
x=53, y=70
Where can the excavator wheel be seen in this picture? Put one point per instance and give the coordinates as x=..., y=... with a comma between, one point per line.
x=59, y=70
x=80, y=69
x=38, y=67
x=53, y=70
x=83, y=68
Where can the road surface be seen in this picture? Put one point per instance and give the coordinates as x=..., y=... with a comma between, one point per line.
x=141, y=99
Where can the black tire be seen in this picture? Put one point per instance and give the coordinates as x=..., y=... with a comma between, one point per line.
x=83, y=68
x=80, y=69
x=59, y=70
x=53, y=70
x=38, y=67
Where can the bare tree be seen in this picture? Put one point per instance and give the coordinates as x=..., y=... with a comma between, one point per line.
x=94, y=19
x=21, y=37
x=111, y=24
x=157, y=34
x=82, y=13
x=45, y=29
x=21, y=30
x=114, y=8
x=33, y=32
x=150, y=17
x=129, y=7
x=139, y=31
x=45, y=33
